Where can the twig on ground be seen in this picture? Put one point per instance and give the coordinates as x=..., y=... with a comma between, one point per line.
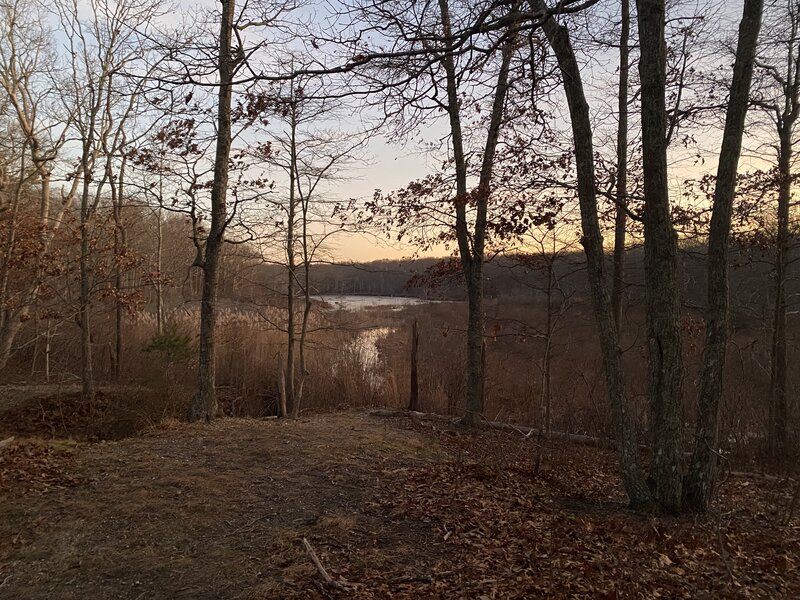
x=321, y=569
x=6, y=442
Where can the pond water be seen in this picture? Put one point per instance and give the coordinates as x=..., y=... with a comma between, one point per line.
x=368, y=352
x=356, y=303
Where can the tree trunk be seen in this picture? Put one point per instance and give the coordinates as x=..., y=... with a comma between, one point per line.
x=471, y=247
x=621, y=216
x=665, y=363
x=624, y=434
x=204, y=403
x=703, y=467
x=7, y=259
x=159, y=284
x=778, y=413
x=413, y=402
x=87, y=376
x=120, y=243
x=474, y=374
x=475, y=328
x=291, y=270
x=547, y=363
x=306, y=309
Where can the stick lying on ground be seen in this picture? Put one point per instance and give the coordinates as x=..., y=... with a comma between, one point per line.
x=321, y=569
x=525, y=431
x=6, y=442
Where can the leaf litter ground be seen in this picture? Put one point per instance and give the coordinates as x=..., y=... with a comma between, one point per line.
x=393, y=508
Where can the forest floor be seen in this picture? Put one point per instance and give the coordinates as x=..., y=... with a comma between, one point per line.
x=392, y=507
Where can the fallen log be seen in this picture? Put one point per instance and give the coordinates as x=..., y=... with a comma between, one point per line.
x=523, y=430
x=559, y=435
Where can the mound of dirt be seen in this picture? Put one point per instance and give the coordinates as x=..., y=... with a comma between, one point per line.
x=115, y=413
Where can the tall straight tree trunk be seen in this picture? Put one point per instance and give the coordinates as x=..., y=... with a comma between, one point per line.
x=159, y=285
x=474, y=373
x=624, y=433
x=665, y=364
x=413, y=400
x=120, y=242
x=84, y=298
x=306, y=310
x=787, y=110
x=547, y=366
x=307, y=253
x=291, y=272
x=475, y=329
x=621, y=216
x=12, y=215
x=703, y=467
x=778, y=412
x=204, y=403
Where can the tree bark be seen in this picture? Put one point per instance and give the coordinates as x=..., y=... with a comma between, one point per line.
x=159, y=284
x=413, y=402
x=665, y=362
x=84, y=297
x=624, y=433
x=120, y=243
x=621, y=216
x=778, y=413
x=547, y=362
x=204, y=403
x=291, y=270
x=305, y=241
x=703, y=467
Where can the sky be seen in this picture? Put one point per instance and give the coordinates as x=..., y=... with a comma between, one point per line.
x=394, y=166
x=391, y=164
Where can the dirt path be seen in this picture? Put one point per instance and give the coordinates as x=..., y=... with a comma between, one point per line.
x=401, y=509
x=209, y=511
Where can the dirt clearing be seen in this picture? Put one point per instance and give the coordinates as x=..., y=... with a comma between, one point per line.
x=393, y=508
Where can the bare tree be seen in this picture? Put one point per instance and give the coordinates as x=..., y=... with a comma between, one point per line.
x=664, y=345
x=665, y=359
x=295, y=118
x=26, y=74
x=702, y=471
x=430, y=71
x=624, y=433
x=233, y=55
x=777, y=96
x=99, y=49
x=621, y=215
x=204, y=403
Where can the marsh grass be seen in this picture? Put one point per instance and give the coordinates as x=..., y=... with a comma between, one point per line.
x=361, y=359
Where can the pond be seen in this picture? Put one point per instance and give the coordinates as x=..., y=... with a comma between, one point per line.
x=355, y=303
